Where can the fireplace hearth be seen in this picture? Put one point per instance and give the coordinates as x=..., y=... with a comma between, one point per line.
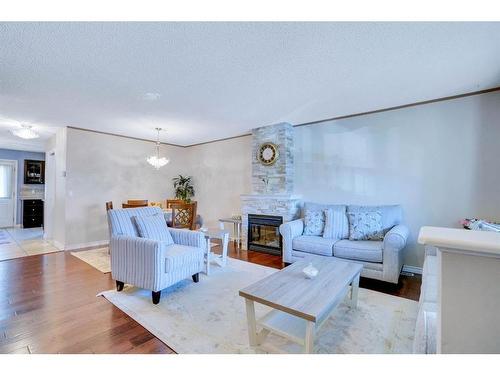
x=263, y=234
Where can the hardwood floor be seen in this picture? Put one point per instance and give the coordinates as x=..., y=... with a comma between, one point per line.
x=48, y=304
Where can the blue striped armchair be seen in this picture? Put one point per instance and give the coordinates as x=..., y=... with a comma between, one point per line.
x=151, y=264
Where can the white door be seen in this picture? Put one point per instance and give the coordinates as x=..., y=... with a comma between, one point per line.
x=8, y=187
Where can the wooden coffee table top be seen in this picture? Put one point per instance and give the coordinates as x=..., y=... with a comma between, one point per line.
x=288, y=290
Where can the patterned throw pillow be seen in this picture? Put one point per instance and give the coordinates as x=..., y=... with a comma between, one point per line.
x=336, y=224
x=314, y=221
x=153, y=227
x=366, y=225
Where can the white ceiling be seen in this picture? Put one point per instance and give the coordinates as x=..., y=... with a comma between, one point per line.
x=205, y=81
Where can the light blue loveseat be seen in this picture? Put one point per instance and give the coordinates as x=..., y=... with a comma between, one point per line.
x=151, y=264
x=381, y=260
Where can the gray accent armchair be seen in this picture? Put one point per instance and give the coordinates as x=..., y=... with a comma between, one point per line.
x=151, y=264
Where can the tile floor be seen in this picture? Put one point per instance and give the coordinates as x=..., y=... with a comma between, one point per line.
x=19, y=242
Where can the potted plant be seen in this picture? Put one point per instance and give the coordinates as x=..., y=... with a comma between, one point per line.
x=183, y=187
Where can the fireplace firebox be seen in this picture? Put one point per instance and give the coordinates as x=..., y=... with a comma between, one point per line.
x=263, y=234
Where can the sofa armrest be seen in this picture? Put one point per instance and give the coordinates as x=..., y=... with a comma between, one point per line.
x=137, y=261
x=396, y=238
x=394, y=242
x=188, y=237
x=289, y=231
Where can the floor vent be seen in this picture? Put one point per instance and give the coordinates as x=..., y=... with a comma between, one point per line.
x=406, y=273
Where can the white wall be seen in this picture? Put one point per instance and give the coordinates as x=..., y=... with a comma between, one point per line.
x=50, y=192
x=103, y=168
x=59, y=209
x=221, y=171
x=440, y=161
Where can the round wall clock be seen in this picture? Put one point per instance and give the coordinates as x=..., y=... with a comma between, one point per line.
x=268, y=153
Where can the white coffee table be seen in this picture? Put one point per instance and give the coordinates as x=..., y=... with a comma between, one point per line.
x=300, y=305
x=220, y=259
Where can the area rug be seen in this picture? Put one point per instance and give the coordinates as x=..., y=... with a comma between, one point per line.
x=97, y=258
x=209, y=317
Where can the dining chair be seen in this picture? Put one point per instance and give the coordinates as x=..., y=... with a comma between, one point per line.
x=128, y=205
x=133, y=203
x=170, y=202
x=138, y=202
x=109, y=206
x=183, y=215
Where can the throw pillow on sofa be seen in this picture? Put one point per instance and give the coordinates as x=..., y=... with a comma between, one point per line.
x=153, y=227
x=336, y=224
x=314, y=222
x=366, y=225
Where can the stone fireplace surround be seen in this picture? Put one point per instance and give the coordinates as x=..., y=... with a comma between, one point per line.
x=274, y=198
x=286, y=206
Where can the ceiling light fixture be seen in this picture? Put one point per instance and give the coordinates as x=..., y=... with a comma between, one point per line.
x=155, y=160
x=151, y=96
x=25, y=132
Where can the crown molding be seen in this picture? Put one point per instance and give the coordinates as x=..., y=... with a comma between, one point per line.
x=123, y=136
x=395, y=108
x=430, y=101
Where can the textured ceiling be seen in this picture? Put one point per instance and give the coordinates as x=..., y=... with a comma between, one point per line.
x=204, y=81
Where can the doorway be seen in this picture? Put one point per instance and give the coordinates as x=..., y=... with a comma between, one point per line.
x=8, y=193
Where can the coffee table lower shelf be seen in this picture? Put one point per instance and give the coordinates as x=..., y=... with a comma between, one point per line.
x=285, y=325
x=294, y=328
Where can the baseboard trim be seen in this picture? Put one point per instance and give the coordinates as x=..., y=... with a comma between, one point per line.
x=80, y=246
x=59, y=245
x=412, y=269
x=87, y=245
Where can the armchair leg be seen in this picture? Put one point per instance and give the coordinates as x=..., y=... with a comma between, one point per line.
x=196, y=277
x=156, y=297
x=119, y=285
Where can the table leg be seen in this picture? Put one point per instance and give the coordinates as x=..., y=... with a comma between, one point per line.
x=354, y=292
x=251, y=322
x=208, y=255
x=238, y=236
x=261, y=336
x=225, y=243
x=309, y=342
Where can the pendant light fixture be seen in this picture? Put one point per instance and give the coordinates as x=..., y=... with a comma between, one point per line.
x=25, y=132
x=155, y=160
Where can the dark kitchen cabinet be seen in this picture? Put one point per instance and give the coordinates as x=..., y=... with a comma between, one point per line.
x=32, y=213
x=34, y=172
